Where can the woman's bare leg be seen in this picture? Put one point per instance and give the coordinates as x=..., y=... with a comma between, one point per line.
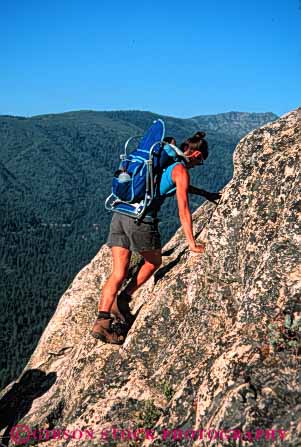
x=152, y=261
x=121, y=259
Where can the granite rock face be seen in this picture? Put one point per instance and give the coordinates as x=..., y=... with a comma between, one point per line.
x=216, y=343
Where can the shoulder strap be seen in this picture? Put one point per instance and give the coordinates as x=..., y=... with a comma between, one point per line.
x=178, y=152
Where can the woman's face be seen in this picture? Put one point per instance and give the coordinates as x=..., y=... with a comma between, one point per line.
x=195, y=158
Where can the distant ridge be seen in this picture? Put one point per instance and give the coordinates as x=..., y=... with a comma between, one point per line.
x=134, y=111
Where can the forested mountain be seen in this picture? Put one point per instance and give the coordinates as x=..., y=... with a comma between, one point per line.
x=55, y=173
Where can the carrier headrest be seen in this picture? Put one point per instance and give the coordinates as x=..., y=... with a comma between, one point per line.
x=178, y=152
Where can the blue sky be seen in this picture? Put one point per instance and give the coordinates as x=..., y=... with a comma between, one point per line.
x=179, y=58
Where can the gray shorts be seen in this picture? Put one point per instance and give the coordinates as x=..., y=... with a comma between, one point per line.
x=124, y=232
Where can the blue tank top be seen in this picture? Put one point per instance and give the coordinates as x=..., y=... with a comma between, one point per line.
x=167, y=186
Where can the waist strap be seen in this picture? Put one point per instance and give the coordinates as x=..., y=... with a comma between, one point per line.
x=150, y=219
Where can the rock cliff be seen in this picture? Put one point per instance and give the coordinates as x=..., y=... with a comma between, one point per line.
x=215, y=348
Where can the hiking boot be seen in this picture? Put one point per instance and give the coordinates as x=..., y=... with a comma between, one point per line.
x=103, y=329
x=120, y=327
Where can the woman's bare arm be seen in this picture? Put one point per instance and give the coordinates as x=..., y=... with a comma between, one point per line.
x=181, y=179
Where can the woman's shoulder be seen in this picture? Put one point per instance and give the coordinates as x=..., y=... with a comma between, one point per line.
x=179, y=170
x=178, y=167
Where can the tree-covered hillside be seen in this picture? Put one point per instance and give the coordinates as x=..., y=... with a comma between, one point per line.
x=55, y=173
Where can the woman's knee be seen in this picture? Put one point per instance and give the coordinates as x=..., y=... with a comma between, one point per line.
x=154, y=264
x=152, y=258
x=158, y=263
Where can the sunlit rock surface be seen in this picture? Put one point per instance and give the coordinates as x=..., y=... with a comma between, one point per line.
x=216, y=343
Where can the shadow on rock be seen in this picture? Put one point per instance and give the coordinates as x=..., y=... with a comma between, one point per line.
x=159, y=274
x=123, y=303
x=16, y=403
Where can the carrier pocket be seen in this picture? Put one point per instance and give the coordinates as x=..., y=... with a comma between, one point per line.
x=123, y=189
x=129, y=185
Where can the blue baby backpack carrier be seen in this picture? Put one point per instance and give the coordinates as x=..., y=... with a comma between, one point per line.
x=136, y=183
